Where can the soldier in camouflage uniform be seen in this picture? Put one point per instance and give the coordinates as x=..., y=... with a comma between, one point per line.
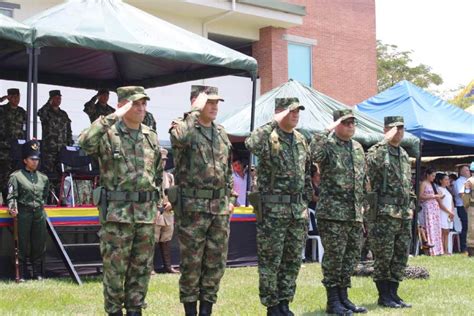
x=27, y=193
x=56, y=127
x=149, y=121
x=284, y=183
x=342, y=166
x=130, y=178
x=98, y=106
x=203, y=174
x=12, y=127
x=389, y=172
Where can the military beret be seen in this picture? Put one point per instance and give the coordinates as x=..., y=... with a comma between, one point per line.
x=212, y=92
x=282, y=104
x=343, y=114
x=392, y=121
x=102, y=91
x=131, y=93
x=13, y=91
x=31, y=149
x=164, y=153
x=54, y=93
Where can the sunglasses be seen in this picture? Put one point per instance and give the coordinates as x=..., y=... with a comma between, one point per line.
x=349, y=122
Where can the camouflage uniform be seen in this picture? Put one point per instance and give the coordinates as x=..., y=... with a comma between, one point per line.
x=149, y=121
x=27, y=192
x=56, y=133
x=12, y=127
x=94, y=110
x=202, y=158
x=342, y=165
x=283, y=171
x=130, y=172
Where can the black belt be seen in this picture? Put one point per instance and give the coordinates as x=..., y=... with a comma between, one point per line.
x=282, y=198
x=126, y=196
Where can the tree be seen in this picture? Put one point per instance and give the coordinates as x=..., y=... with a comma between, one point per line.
x=394, y=66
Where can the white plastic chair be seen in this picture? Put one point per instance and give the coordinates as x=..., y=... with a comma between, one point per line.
x=316, y=242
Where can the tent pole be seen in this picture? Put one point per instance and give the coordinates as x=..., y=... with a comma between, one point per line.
x=35, y=92
x=30, y=53
x=417, y=192
x=252, y=124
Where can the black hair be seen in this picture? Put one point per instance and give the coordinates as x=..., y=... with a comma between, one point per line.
x=439, y=177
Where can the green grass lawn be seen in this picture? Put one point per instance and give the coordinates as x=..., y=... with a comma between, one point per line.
x=449, y=291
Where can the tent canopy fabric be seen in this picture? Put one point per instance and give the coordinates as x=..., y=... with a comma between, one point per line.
x=15, y=38
x=426, y=116
x=316, y=116
x=108, y=43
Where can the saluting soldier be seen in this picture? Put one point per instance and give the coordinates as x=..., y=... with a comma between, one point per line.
x=27, y=194
x=284, y=184
x=130, y=178
x=203, y=205
x=12, y=127
x=57, y=133
x=342, y=166
x=98, y=106
x=389, y=172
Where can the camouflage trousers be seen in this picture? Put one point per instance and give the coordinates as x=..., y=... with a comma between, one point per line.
x=341, y=241
x=280, y=242
x=390, y=241
x=127, y=253
x=31, y=235
x=203, y=244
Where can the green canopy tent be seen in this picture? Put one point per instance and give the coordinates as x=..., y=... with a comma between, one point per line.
x=108, y=43
x=317, y=115
x=16, y=56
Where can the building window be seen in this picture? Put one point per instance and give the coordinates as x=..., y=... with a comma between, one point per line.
x=299, y=63
x=6, y=8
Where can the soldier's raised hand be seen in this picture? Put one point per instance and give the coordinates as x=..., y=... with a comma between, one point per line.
x=123, y=107
x=333, y=125
x=200, y=102
x=281, y=115
x=3, y=98
x=391, y=133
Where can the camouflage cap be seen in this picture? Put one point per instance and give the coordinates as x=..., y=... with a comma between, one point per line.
x=471, y=167
x=13, y=91
x=131, y=93
x=102, y=91
x=282, y=104
x=54, y=93
x=164, y=153
x=31, y=149
x=392, y=121
x=343, y=114
x=212, y=92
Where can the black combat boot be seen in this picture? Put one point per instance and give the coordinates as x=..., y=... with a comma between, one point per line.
x=334, y=305
x=190, y=308
x=344, y=298
x=385, y=298
x=274, y=311
x=134, y=313
x=394, y=292
x=205, y=308
x=285, y=309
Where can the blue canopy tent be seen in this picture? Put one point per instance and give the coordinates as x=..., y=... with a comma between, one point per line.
x=443, y=128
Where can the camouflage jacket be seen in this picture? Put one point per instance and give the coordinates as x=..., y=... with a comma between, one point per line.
x=93, y=109
x=342, y=167
x=398, y=182
x=283, y=169
x=27, y=189
x=56, y=127
x=12, y=127
x=202, y=163
x=149, y=121
x=126, y=164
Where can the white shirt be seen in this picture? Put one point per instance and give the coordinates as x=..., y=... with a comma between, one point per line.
x=240, y=186
x=459, y=188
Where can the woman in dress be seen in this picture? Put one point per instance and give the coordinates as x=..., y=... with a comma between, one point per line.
x=431, y=212
x=447, y=208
